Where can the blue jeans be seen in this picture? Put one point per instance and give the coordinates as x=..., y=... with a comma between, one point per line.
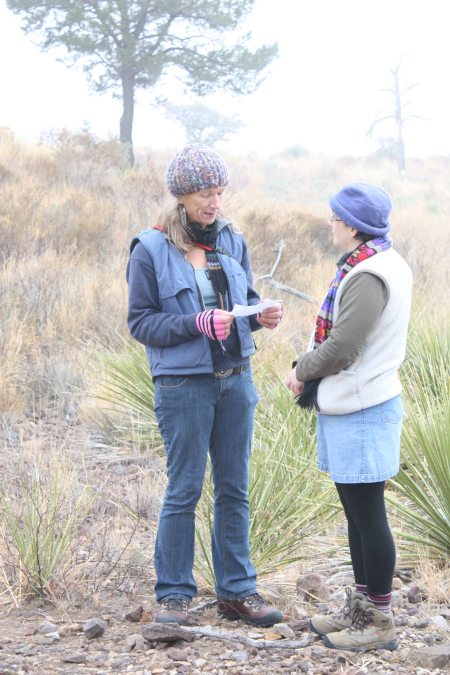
x=196, y=413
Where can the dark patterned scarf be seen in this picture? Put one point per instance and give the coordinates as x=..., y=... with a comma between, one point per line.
x=206, y=239
x=308, y=398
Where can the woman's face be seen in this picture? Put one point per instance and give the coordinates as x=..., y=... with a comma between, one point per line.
x=202, y=207
x=343, y=235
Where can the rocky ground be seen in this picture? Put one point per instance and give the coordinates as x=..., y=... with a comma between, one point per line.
x=37, y=640
x=103, y=634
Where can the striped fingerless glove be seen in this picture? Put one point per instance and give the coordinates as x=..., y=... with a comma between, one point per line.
x=209, y=323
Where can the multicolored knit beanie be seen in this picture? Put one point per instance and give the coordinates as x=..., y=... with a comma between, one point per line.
x=196, y=168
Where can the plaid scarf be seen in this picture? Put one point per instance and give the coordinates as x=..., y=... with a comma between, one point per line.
x=308, y=398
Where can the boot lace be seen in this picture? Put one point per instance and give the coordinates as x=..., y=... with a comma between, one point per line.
x=255, y=600
x=349, y=605
x=360, y=620
x=175, y=604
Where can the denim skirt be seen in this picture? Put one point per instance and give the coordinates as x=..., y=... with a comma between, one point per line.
x=361, y=447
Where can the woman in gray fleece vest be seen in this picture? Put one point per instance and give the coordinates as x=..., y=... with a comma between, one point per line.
x=349, y=376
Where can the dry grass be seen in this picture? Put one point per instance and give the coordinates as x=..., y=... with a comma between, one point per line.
x=70, y=206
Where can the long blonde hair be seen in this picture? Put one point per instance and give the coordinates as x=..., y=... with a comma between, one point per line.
x=170, y=220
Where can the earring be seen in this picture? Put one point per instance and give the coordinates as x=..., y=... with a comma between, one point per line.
x=183, y=218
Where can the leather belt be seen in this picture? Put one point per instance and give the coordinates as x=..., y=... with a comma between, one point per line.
x=231, y=371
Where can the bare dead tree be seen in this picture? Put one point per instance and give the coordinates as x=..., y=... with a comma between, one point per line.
x=401, y=86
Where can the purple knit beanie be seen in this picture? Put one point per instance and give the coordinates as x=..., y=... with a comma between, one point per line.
x=364, y=206
x=196, y=167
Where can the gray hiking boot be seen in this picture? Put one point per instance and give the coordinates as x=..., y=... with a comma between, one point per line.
x=371, y=629
x=333, y=623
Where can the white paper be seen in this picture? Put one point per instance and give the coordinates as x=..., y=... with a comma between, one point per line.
x=242, y=310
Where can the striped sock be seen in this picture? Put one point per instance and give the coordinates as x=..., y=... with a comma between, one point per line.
x=361, y=588
x=381, y=602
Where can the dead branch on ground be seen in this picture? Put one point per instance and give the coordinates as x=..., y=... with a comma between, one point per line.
x=281, y=287
x=208, y=631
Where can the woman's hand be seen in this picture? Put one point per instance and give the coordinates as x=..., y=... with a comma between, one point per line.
x=293, y=384
x=226, y=319
x=215, y=323
x=271, y=316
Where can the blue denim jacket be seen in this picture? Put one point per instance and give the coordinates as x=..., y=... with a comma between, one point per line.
x=164, y=301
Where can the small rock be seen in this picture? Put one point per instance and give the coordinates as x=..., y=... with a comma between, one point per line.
x=401, y=620
x=226, y=655
x=165, y=632
x=272, y=636
x=130, y=641
x=303, y=666
x=445, y=612
x=415, y=594
x=53, y=636
x=284, y=630
x=135, y=614
x=302, y=612
x=240, y=656
x=93, y=628
x=423, y=623
x=199, y=663
x=411, y=622
x=47, y=627
x=30, y=631
x=397, y=583
x=120, y=663
x=74, y=658
x=298, y=625
x=254, y=635
x=176, y=654
x=140, y=644
x=431, y=657
x=440, y=622
x=397, y=601
x=185, y=668
x=312, y=587
x=317, y=655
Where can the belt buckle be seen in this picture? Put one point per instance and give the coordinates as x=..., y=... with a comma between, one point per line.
x=223, y=373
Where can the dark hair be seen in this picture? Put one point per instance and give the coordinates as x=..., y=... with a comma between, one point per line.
x=364, y=237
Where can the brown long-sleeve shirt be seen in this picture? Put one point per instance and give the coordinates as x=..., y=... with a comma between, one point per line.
x=363, y=299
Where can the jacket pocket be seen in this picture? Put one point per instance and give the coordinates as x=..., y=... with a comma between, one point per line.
x=177, y=297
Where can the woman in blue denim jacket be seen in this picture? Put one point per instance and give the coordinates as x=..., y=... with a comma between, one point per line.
x=184, y=276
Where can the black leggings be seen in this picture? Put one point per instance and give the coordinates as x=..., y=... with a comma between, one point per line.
x=371, y=544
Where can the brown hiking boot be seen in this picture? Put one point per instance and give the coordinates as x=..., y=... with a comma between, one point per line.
x=333, y=623
x=173, y=610
x=252, y=609
x=371, y=629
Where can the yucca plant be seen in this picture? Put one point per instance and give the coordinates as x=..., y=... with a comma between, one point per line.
x=126, y=384
x=40, y=514
x=422, y=497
